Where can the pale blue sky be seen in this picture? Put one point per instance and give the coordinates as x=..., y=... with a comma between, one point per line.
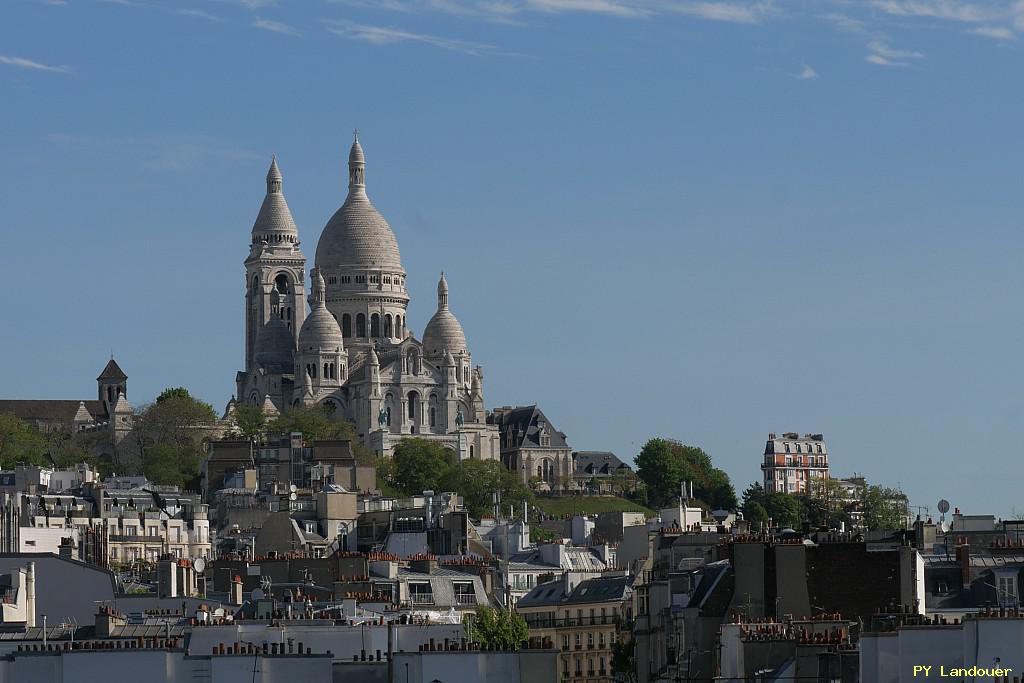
x=704, y=220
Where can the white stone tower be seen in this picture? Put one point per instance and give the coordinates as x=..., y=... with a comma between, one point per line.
x=275, y=305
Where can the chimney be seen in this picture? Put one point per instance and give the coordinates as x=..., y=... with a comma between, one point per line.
x=236, y=591
x=30, y=595
x=963, y=557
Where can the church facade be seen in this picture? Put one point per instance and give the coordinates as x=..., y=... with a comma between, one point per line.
x=352, y=350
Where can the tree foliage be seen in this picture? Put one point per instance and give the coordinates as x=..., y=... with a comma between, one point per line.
x=498, y=629
x=883, y=507
x=251, y=422
x=20, y=442
x=778, y=509
x=419, y=465
x=663, y=464
x=317, y=423
x=167, y=436
x=475, y=480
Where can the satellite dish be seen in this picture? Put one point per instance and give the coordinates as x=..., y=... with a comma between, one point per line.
x=943, y=506
x=199, y=564
x=293, y=496
x=944, y=526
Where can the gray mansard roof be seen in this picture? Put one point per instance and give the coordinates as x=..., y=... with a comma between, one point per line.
x=597, y=463
x=524, y=425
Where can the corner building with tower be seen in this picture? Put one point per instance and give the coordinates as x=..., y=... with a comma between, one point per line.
x=352, y=350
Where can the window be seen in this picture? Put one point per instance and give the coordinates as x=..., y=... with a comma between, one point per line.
x=421, y=594
x=360, y=325
x=281, y=283
x=346, y=325
x=565, y=646
x=1007, y=589
x=375, y=325
x=579, y=641
x=787, y=448
x=590, y=641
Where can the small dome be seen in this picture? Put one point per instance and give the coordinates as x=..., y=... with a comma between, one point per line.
x=443, y=332
x=320, y=330
x=274, y=349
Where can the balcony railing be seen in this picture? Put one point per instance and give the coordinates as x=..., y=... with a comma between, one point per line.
x=422, y=598
x=465, y=598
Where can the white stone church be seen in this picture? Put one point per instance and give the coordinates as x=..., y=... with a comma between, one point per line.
x=352, y=349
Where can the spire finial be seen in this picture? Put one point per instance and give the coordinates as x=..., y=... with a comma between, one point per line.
x=274, y=178
x=356, y=166
x=442, y=293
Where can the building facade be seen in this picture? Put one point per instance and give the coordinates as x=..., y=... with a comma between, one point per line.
x=792, y=463
x=532, y=447
x=354, y=351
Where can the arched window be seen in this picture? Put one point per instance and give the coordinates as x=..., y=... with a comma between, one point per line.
x=375, y=325
x=282, y=284
x=387, y=325
x=471, y=452
x=414, y=405
x=327, y=371
x=399, y=330
x=346, y=325
x=360, y=325
x=389, y=401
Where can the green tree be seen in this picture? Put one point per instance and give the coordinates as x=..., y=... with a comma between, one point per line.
x=824, y=504
x=663, y=464
x=783, y=509
x=315, y=423
x=498, y=629
x=419, y=465
x=755, y=513
x=661, y=470
x=622, y=659
x=20, y=442
x=166, y=441
x=475, y=480
x=251, y=421
x=883, y=507
x=752, y=494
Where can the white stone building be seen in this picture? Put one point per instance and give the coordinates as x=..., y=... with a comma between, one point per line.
x=354, y=351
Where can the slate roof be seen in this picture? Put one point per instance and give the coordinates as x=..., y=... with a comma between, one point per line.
x=51, y=410
x=523, y=423
x=603, y=589
x=112, y=371
x=597, y=463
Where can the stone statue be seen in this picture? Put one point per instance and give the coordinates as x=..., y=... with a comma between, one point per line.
x=460, y=419
x=383, y=417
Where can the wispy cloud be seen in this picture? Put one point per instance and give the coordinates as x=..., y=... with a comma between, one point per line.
x=950, y=10
x=23, y=63
x=883, y=55
x=276, y=27
x=996, y=32
x=198, y=14
x=805, y=74
x=737, y=13
x=173, y=154
x=390, y=35
x=609, y=7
